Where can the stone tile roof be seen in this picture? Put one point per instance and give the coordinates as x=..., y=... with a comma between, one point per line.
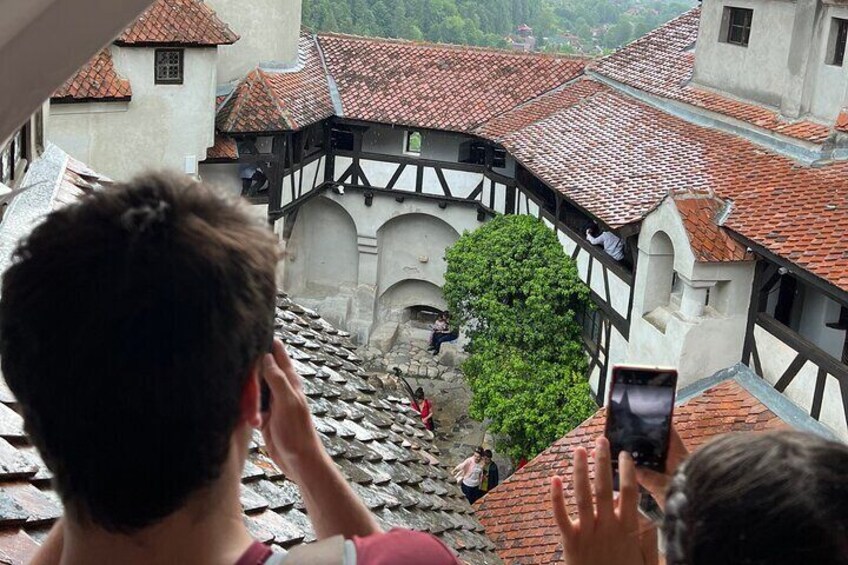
x=377, y=441
x=97, y=80
x=436, y=86
x=662, y=62
x=517, y=513
x=268, y=101
x=709, y=241
x=618, y=158
x=178, y=22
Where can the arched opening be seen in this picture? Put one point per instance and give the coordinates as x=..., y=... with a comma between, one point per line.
x=413, y=301
x=322, y=252
x=660, y=273
x=412, y=247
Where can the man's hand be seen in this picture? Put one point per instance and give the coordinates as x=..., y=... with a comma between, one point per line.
x=606, y=532
x=290, y=436
x=657, y=483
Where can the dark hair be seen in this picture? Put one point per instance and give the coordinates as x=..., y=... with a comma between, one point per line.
x=760, y=499
x=487, y=453
x=419, y=392
x=129, y=323
x=478, y=450
x=593, y=229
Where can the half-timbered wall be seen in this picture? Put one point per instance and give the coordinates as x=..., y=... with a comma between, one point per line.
x=813, y=375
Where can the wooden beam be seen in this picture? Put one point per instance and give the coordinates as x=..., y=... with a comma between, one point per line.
x=754, y=305
x=799, y=343
x=396, y=176
x=818, y=394
x=419, y=179
x=478, y=190
x=441, y=176
x=790, y=373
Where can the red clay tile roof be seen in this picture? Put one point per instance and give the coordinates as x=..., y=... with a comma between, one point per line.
x=225, y=149
x=96, y=80
x=709, y=241
x=618, y=158
x=178, y=22
x=268, y=101
x=517, y=514
x=437, y=86
x=662, y=62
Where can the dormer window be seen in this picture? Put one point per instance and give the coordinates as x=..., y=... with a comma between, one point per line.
x=836, y=44
x=736, y=25
x=169, y=66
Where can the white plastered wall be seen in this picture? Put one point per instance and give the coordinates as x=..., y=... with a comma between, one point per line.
x=669, y=335
x=162, y=127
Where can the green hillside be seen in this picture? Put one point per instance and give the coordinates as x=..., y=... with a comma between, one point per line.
x=584, y=26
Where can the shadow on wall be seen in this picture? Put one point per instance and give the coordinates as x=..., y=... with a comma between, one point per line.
x=407, y=299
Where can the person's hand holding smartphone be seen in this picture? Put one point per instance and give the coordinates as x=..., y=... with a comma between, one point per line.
x=639, y=415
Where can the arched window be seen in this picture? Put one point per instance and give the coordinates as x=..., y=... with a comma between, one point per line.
x=660, y=268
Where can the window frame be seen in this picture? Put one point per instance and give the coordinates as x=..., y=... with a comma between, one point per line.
x=837, y=44
x=406, y=143
x=731, y=25
x=11, y=156
x=180, y=66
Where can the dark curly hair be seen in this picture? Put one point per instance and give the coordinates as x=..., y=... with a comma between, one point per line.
x=129, y=323
x=778, y=498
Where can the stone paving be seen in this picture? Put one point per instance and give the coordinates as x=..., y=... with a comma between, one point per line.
x=456, y=433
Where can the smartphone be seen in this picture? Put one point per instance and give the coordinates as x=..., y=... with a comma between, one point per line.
x=639, y=411
x=264, y=389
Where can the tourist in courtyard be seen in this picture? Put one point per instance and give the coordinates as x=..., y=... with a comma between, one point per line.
x=612, y=244
x=794, y=483
x=469, y=473
x=450, y=334
x=439, y=327
x=425, y=408
x=491, y=475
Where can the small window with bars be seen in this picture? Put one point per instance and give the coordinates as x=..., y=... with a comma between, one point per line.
x=412, y=146
x=737, y=25
x=836, y=45
x=169, y=66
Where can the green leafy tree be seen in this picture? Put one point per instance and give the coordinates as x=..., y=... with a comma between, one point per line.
x=513, y=288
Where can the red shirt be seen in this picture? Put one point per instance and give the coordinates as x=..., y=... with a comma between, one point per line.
x=397, y=546
x=426, y=410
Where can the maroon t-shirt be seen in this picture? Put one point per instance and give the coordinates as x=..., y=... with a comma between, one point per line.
x=397, y=546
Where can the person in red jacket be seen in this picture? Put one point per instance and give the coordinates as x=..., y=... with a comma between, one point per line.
x=425, y=408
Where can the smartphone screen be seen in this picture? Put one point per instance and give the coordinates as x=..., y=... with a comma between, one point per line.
x=639, y=415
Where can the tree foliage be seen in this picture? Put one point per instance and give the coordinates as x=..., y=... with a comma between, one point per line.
x=513, y=288
x=599, y=24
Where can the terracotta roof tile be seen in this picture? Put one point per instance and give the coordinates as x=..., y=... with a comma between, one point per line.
x=269, y=101
x=96, y=80
x=709, y=241
x=517, y=515
x=225, y=149
x=178, y=22
x=662, y=62
x=618, y=158
x=437, y=86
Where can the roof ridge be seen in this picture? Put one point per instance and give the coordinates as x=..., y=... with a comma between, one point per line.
x=454, y=46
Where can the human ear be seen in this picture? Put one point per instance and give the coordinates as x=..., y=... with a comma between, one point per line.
x=250, y=397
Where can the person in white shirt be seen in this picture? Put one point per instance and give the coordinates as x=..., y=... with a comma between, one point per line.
x=613, y=245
